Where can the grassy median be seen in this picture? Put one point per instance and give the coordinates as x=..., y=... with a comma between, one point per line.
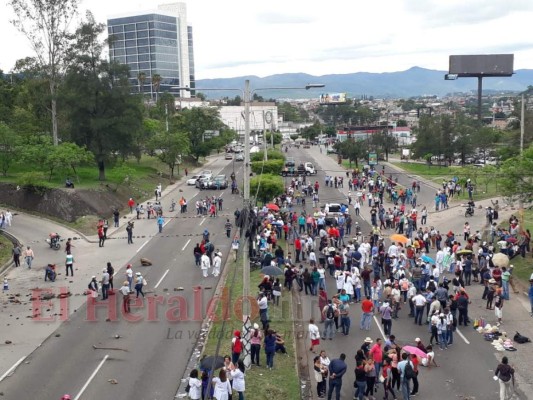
x=261, y=384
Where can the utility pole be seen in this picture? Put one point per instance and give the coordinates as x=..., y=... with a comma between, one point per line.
x=166, y=116
x=522, y=124
x=246, y=306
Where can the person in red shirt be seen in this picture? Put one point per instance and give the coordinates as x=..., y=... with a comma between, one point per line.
x=415, y=361
x=376, y=353
x=131, y=203
x=367, y=306
x=297, y=248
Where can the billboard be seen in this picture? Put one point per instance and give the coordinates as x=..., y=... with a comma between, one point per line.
x=482, y=65
x=333, y=98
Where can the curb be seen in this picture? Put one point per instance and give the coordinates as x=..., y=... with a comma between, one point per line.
x=4, y=268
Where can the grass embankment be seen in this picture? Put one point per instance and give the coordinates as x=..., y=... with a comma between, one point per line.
x=5, y=250
x=261, y=384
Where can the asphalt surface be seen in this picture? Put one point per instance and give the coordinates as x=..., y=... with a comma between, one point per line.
x=465, y=370
x=148, y=357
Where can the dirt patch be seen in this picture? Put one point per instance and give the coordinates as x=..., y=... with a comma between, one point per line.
x=65, y=204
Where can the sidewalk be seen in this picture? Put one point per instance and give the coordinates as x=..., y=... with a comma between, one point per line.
x=17, y=311
x=449, y=219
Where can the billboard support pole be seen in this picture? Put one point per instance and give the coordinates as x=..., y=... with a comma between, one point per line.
x=479, y=94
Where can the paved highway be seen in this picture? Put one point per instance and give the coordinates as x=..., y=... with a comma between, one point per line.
x=149, y=356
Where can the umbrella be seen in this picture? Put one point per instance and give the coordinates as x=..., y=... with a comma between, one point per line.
x=501, y=260
x=212, y=362
x=512, y=240
x=399, y=238
x=428, y=259
x=464, y=252
x=272, y=270
x=414, y=350
x=272, y=206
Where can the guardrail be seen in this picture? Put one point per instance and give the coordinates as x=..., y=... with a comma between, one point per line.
x=13, y=240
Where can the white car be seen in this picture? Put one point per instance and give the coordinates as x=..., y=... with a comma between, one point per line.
x=192, y=180
x=207, y=173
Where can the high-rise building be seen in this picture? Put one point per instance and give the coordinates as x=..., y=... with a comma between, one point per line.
x=157, y=46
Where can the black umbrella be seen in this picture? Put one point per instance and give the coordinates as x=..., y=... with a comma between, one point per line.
x=272, y=270
x=212, y=362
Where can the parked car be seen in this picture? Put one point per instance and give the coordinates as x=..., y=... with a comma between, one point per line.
x=239, y=157
x=228, y=156
x=202, y=183
x=192, y=180
x=207, y=172
x=218, y=182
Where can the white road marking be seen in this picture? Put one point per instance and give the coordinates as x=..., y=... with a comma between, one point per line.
x=462, y=336
x=12, y=369
x=161, y=280
x=203, y=220
x=221, y=194
x=186, y=244
x=166, y=222
x=144, y=244
x=380, y=329
x=78, y=396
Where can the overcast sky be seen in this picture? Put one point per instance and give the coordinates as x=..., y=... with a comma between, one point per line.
x=248, y=37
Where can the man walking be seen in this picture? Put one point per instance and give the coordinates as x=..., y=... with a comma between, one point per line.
x=205, y=264
x=228, y=227
x=69, y=262
x=16, y=254
x=367, y=306
x=28, y=256
x=111, y=272
x=420, y=303
x=337, y=368
x=217, y=262
x=105, y=284
x=129, y=231
x=125, y=290
x=328, y=314
x=160, y=222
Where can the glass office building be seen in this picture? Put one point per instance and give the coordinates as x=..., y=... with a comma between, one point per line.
x=154, y=44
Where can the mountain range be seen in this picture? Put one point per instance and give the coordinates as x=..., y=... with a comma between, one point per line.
x=413, y=82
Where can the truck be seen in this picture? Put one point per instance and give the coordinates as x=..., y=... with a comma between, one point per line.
x=290, y=169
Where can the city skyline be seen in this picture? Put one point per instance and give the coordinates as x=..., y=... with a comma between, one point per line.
x=233, y=38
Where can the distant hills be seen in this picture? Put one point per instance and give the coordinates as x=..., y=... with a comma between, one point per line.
x=415, y=81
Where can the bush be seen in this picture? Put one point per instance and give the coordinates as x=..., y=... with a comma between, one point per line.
x=266, y=186
x=272, y=155
x=273, y=167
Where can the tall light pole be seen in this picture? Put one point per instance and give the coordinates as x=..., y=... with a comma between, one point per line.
x=246, y=299
x=522, y=125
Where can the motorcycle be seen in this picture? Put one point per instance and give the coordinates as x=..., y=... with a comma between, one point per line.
x=469, y=211
x=54, y=241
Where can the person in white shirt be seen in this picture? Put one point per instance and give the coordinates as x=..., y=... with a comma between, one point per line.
x=205, y=264
x=339, y=280
x=419, y=302
x=314, y=335
x=393, y=250
x=237, y=374
x=195, y=386
x=217, y=262
x=222, y=386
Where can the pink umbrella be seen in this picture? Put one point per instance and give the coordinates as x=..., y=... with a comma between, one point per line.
x=414, y=350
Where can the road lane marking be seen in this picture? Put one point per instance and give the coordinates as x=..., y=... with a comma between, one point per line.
x=144, y=244
x=203, y=220
x=221, y=194
x=462, y=336
x=380, y=329
x=78, y=396
x=12, y=369
x=167, y=221
x=161, y=280
x=186, y=244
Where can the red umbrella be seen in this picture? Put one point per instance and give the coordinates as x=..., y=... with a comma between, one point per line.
x=272, y=206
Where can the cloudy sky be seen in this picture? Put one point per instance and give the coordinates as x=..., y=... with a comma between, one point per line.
x=249, y=37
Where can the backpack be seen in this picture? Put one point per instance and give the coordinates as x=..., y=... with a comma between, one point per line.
x=237, y=346
x=409, y=372
x=330, y=313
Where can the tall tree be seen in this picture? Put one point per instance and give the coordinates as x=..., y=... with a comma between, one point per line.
x=141, y=78
x=104, y=116
x=156, y=84
x=45, y=23
x=169, y=147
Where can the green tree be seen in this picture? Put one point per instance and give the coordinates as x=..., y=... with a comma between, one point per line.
x=352, y=150
x=45, y=23
x=265, y=187
x=8, y=147
x=516, y=179
x=169, y=148
x=401, y=122
x=267, y=167
x=67, y=155
x=141, y=79
x=195, y=122
x=428, y=134
x=34, y=150
x=103, y=115
x=156, y=84
x=277, y=138
x=311, y=132
x=272, y=154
